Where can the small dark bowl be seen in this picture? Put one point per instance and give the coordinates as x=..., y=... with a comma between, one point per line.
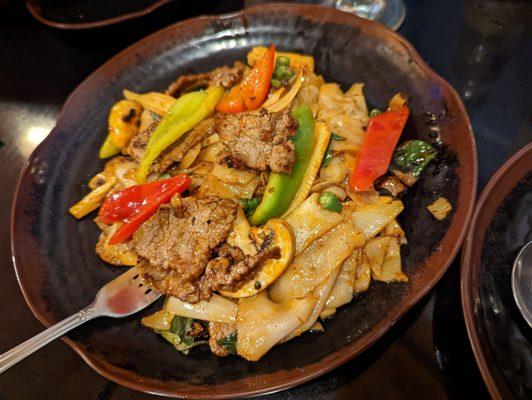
x=500, y=227
x=54, y=254
x=86, y=14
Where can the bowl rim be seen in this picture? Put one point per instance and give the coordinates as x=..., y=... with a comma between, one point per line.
x=469, y=267
x=34, y=8
x=328, y=363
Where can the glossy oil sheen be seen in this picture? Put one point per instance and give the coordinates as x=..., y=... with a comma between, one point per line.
x=60, y=272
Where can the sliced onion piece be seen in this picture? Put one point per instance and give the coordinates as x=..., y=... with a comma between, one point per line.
x=218, y=309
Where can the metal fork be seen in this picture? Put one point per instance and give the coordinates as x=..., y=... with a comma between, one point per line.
x=123, y=296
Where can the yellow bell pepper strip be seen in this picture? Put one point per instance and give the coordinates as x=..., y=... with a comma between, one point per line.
x=108, y=148
x=188, y=111
x=251, y=92
x=282, y=188
x=124, y=120
x=123, y=124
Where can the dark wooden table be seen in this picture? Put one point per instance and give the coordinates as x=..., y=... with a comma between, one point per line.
x=483, y=48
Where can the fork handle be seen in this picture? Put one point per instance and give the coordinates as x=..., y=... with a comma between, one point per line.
x=18, y=353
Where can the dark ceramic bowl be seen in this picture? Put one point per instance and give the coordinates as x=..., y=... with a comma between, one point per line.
x=54, y=254
x=85, y=14
x=501, y=226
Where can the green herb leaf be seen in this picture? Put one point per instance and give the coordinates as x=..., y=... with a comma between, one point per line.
x=249, y=205
x=229, y=342
x=413, y=156
x=178, y=343
x=328, y=153
x=181, y=326
x=178, y=334
x=327, y=157
x=330, y=202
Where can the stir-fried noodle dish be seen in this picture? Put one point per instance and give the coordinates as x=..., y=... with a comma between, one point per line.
x=256, y=197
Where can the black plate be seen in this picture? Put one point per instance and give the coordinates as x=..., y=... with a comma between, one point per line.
x=59, y=271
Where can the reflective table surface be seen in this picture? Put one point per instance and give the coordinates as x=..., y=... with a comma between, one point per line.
x=483, y=48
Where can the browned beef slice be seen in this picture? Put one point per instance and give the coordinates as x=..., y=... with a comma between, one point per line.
x=178, y=245
x=227, y=77
x=217, y=331
x=174, y=153
x=259, y=140
x=187, y=83
x=137, y=144
x=232, y=268
x=223, y=76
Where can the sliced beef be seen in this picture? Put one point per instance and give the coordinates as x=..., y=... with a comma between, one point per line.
x=227, y=77
x=258, y=141
x=232, y=268
x=223, y=76
x=217, y=331
x=137, y=144
x=177, y=244
x=176, y=152
x=188, y=83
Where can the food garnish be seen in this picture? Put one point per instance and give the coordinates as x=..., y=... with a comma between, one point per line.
x=410, y=159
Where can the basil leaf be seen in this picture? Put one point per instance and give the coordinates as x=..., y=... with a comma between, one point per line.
x=413, y=156
x=328, y=153
x=249, y=205
x=229, y=342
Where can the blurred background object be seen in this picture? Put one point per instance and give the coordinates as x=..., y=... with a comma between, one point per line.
x=388, y=12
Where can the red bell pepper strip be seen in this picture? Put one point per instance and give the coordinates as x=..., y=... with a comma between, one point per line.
x=253, y=89
x=377, y=149
x=135, y=204
x=125, y=203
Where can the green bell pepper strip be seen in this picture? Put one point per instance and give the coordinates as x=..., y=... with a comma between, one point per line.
x=108, y=148
x=188, y=111
x=282, y=188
